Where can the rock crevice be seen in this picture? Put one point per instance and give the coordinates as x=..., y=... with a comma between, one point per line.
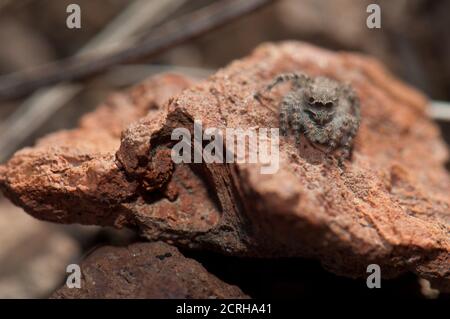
x=389, y=205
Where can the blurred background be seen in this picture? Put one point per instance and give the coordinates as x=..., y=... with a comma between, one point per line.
x=413, y=42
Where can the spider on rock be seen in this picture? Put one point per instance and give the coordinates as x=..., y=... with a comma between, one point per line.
x=324, y=110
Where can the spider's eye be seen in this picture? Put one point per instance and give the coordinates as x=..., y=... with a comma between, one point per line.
x=318, y=104
x=311, y=100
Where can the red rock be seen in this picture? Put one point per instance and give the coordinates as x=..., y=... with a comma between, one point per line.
x=71, y=176
x=146, y=270
x=389, y=205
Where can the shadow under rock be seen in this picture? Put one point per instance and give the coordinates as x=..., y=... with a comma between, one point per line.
x=290, y=278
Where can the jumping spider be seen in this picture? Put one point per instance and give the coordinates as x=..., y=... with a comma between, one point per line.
x=324, y=110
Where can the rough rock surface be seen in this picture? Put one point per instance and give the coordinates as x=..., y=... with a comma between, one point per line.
x=146, y=270
x=70, y=176
x=389, y=205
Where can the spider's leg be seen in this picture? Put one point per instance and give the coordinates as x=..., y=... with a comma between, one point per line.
x=258, y=96
x=352, y=98
x=331, y=146
x=301, y=81
x=347, y=142
x=296, y=79
x=284, y=117
x=296, y=122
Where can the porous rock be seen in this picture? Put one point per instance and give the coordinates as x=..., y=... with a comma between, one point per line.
x=388, y=205
x=146, y=270
x=71, y=176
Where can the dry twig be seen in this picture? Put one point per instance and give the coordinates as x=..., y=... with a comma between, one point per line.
x=40, y=106
x=167, y=36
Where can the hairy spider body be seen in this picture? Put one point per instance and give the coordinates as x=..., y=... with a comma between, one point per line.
x=324, y=110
